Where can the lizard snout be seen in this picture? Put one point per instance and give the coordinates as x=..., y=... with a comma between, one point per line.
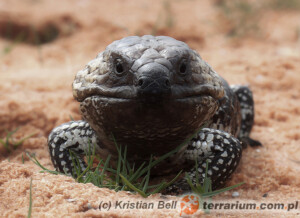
x=153, y=82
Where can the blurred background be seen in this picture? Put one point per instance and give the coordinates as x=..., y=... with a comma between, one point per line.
x=53, y=32
x=43, y=43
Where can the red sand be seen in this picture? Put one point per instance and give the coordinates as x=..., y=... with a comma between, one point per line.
x=36, y=95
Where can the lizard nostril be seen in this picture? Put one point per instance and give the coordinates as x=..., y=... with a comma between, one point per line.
x=168, y=83
x=140, y=82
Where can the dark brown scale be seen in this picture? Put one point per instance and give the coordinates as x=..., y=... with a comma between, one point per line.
x=228, y=116
x=152, y=93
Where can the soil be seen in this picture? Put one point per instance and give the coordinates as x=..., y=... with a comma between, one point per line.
x=44, y=43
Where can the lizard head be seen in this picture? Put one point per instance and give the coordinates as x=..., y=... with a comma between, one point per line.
x=150, y=92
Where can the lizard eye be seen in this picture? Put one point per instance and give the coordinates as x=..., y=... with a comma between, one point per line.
x=119, y=68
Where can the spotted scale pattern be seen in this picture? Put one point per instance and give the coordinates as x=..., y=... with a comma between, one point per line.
x=220, y=149
x=76, y=136
x=245, y=98
x=228, y=123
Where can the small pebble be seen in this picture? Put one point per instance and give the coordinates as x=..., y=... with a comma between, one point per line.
x=89, y=206
x=235, y=194
x=265, y=195
x=71, y=200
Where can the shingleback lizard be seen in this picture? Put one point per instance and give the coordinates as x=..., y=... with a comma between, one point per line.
x=152, y=93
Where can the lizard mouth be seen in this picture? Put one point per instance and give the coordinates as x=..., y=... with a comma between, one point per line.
x=187, y=92
x=130, y=93
x=124, y=93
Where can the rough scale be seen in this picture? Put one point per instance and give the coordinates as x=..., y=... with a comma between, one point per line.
x=151, y=94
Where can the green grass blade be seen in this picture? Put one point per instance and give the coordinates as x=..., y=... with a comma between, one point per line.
x=206, y=181
x=205, y=190
x=22, y=159
x=197, y=172
x=90, y=158
x=188, y=179
x=125, y=163
x=8, y=142
x=9, y=134
x=163, y=157
x=119, y=165
x=2, y=142
x=23, y=139
x=30, y=200
x=52, y=172
x=159, y=188
x=130, y=185
x=35, y=161
x=175, y=178
x=138, y=173
x=124, y=177
x=165, y=185
x=147, y=176
x=76, y=164
x=104, y=169
x=213, y=193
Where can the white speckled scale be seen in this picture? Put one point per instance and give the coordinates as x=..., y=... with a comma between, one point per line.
x=152, y=93
x=222, y=152
x=76, y=136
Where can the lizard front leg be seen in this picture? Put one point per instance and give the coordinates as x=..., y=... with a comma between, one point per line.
x=76, y=136
x=221, y=150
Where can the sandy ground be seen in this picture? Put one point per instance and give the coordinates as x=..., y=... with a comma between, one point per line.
x=260, y=48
